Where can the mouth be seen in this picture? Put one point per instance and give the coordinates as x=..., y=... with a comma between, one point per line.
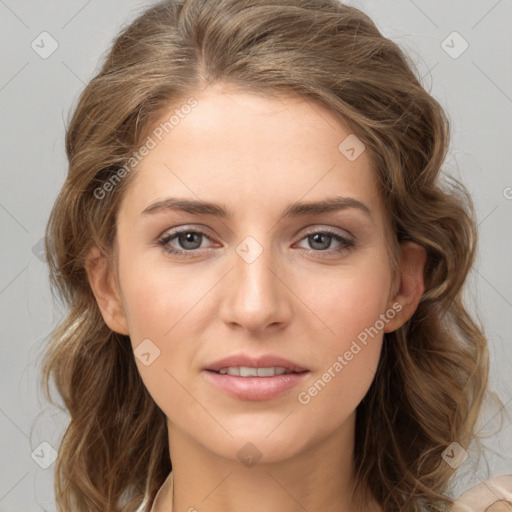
x=246, y=371
x=244, y=365
x=255, y=378
x=254, y=387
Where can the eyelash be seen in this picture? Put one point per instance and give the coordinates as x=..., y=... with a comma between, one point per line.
x=164, y=240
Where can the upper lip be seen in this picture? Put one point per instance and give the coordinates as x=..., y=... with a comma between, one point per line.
x=263, y=361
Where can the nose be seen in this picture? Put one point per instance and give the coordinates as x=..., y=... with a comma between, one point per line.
x=255, y=294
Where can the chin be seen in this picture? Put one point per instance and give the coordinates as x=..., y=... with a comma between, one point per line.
x=258, y=446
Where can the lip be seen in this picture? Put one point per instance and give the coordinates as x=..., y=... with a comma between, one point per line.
x=263, y=361
x=255, y=388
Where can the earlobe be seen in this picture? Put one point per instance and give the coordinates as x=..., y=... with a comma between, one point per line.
x=103, y=286
x=411, y=284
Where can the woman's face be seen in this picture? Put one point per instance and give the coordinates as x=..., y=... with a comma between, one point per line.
x=259, y=273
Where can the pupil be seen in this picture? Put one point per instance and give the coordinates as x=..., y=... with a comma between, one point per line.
x=188, y=238
x=317, y=237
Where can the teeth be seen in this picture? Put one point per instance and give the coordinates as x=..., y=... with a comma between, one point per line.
x=270, y=372
x=244, y=371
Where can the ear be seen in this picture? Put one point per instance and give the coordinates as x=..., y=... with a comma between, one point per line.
x=104, y=287
x=410, y=286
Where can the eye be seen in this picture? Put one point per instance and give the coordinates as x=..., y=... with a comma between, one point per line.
x=188, y=241
x=320, y=241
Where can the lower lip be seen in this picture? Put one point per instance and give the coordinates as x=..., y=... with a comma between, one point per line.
x=255, y=388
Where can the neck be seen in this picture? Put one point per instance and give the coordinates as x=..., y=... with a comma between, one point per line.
x=319, y=478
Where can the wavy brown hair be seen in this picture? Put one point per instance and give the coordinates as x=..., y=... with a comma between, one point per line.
x=432, y=375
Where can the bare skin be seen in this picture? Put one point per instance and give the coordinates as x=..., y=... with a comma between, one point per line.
x=304, y=298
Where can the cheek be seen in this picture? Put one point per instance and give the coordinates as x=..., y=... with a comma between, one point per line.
x=352, y=302
x=352, y=308
x=160, y=309
x=157, y=298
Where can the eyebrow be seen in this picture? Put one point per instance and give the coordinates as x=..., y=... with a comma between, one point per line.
x=296, y=209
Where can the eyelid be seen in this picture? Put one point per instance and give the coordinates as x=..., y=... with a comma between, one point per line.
x=346, y=240
x=172, y=232
x=318, y=228
x=185, y=229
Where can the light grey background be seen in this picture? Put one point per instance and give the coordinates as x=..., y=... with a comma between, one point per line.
x=37, y=95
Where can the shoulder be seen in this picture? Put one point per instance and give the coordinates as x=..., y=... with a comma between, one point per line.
x=493, y=495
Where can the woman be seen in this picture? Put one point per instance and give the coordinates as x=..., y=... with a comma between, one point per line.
x=264, y=271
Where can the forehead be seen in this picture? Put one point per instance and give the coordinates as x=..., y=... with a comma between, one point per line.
x=247, y=148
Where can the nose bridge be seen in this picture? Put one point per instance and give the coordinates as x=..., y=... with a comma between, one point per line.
x=254, y=296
